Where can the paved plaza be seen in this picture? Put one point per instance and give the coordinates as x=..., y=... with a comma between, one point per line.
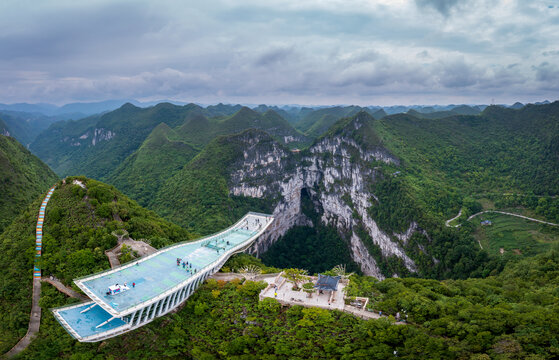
x=285, y=294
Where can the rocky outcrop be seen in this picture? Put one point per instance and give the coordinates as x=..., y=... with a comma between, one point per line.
x=336, y=171
x=97, y=135
x=101, y=135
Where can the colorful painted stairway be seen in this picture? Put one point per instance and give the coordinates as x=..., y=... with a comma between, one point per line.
x=39, y=233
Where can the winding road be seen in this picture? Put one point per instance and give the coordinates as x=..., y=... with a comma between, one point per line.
x=454, y=218
x=512, y=214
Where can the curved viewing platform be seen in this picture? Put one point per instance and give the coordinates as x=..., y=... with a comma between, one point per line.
x=134, y=294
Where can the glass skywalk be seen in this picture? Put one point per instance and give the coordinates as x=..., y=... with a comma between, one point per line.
x=160, y=272
x=155, y=284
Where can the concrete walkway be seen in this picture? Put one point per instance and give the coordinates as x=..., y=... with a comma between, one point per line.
x=64, y=289
x=34, y=321
x=113, y=258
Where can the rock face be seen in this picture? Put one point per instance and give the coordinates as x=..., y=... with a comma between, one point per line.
x=97, y=135
x=336, y=172
x=101, y=135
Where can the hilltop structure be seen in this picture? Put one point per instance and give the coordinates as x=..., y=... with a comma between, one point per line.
x=132, y=295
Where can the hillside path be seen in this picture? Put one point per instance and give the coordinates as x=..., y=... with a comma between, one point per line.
x=35, y=316
x=64, y=289
x=34, y=321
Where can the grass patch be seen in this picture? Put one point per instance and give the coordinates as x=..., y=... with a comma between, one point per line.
x=487, y=204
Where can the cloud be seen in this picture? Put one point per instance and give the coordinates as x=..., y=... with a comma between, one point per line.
x=442, y=6
x=457, y=73
x=333, y=51
x=275, y=56
x=546, y=72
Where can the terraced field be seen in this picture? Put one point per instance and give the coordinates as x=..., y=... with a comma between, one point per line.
x=512, y=234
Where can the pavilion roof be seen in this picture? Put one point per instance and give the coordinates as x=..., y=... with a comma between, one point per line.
x=326, y=282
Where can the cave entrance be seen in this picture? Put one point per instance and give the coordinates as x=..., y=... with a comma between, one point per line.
x=310, y=208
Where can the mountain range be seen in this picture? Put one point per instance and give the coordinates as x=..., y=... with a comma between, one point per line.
x=350, y=185
x=202, y=167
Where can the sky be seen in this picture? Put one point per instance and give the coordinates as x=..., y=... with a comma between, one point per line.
x=314, y=52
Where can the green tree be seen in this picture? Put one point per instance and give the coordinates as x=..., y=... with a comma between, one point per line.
x=295, y=276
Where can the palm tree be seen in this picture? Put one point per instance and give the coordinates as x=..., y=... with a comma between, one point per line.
x=340, y=271
x=250, y=271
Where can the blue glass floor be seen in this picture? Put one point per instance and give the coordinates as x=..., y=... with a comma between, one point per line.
x=160, y=272
x=85, y=324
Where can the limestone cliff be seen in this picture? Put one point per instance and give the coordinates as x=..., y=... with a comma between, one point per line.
x=337, y=171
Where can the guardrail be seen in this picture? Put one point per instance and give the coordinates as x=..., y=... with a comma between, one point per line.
x=168, y=247
x=239, y=247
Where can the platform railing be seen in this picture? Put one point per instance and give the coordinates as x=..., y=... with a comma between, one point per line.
x=239, y=247
x=171, y=246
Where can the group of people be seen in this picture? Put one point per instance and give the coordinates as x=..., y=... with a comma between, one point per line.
x=247, y=226
x=401, y=318
x=187, y=266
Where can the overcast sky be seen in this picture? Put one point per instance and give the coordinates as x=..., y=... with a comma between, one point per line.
x=379, y=52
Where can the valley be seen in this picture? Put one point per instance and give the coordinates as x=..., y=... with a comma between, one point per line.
x=279, y=180
x=371, y=192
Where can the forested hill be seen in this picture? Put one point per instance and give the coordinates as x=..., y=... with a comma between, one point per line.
x=166, y=150
x=509, y=316
x=500, y=151
x=160, y=156
x=317, y=122
x=198, y=198
x=80, y=218
x=97, y=145
x=413, y=172
x=22, y=178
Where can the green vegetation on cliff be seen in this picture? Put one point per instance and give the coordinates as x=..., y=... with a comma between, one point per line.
x=161, y=155
x=98, y=145
x=22, y=178
x=77, y=231
x=198, y=198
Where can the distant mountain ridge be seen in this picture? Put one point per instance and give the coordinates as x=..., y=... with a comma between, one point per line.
x=25, y=127
x=401, y=174
x=102, y=146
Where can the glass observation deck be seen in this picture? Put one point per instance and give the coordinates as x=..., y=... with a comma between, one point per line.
x=161, y=272
x=148, y=280
x=82, y=323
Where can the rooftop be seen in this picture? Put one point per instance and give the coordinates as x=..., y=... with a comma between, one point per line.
x=325, y=282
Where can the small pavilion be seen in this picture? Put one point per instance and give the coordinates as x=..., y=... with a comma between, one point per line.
x=327, y=283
